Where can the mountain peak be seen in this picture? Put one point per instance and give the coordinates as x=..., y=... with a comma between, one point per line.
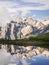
x=22, y=28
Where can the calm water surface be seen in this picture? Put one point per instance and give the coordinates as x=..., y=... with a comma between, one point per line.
x=38, y=60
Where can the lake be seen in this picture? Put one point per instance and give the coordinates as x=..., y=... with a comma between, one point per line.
x=37, y=60
x=8, y=59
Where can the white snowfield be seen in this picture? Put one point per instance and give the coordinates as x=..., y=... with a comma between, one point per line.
x=27, y=30
x=46, y=22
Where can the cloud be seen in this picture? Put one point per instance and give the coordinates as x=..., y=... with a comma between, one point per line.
x=10, y=9
x=25, y=12
x=37, y=1
x=45, y=3
x=33, y=15
x=5, y=16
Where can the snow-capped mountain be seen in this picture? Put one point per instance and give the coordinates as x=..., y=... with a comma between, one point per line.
x=22, y=28
x=46, y=22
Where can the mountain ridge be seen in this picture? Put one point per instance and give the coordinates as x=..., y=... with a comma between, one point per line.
x=22, y=28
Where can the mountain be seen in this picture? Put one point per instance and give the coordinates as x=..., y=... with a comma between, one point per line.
x=23, y=28
x=46, y=22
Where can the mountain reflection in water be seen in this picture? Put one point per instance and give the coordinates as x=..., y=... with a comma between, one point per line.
x=8, y=59
x=38, y=60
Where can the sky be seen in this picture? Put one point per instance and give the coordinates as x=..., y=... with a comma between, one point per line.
x=11, y=9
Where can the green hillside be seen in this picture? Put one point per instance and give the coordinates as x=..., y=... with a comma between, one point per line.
x=43, y=37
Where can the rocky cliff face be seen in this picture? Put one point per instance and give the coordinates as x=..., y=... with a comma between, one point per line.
x=21, y=28
x=27, y=30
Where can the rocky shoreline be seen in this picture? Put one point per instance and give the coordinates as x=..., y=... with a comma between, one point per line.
x=25, y=52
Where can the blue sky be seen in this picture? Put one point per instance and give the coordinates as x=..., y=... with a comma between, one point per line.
x=11, y=9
